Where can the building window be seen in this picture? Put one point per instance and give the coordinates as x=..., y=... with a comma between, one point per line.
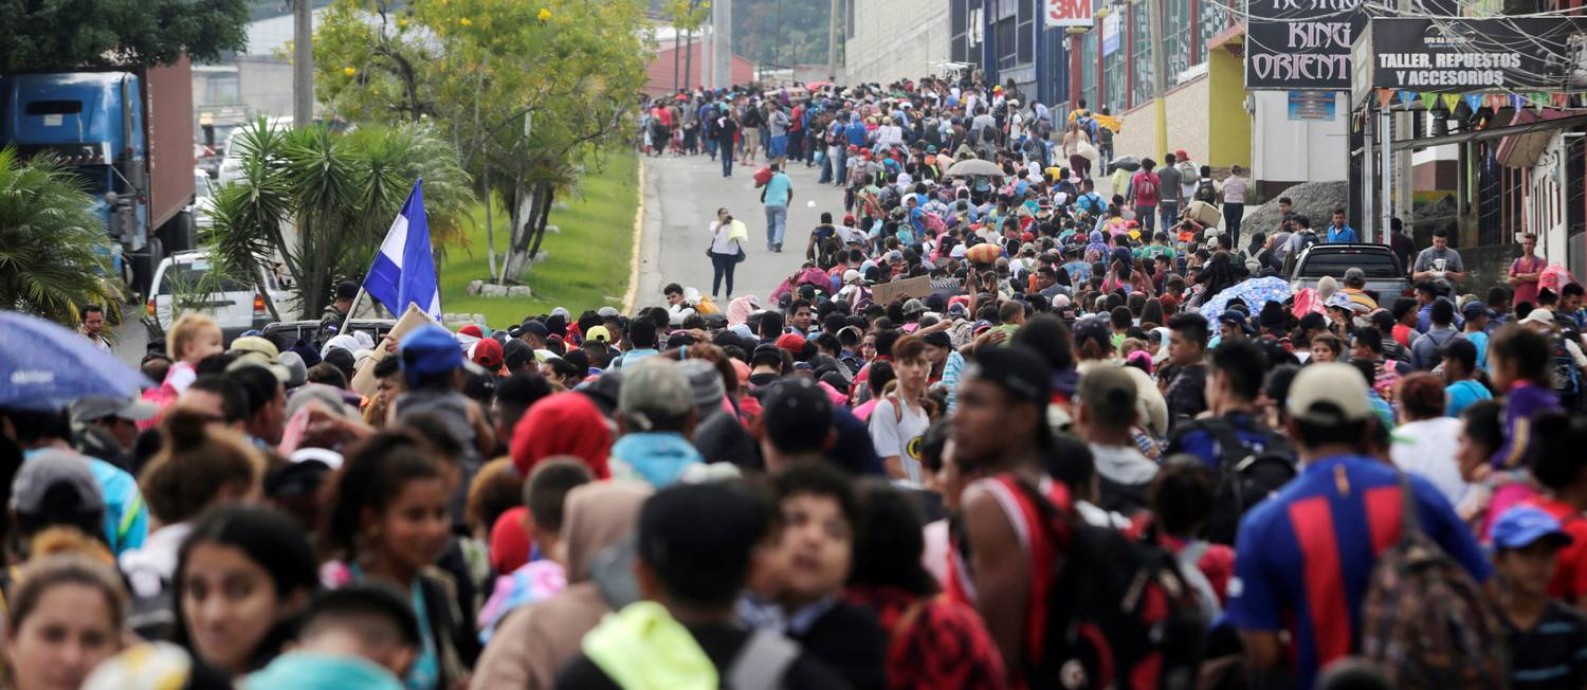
x=1176, y=37
x=1114, y=66
x=1006, y=42
x=1088, y=69
x=1214, y=20
x=959, y=29
x=1025, y=52
x=1141, y=46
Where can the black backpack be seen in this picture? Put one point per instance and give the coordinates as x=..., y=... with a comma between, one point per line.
x=1120, y=605
x=1205, y=191
x=1307, y=239
x=1246, y=475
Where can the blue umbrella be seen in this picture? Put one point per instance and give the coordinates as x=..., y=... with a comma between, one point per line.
x=45, y=366
x=1254, y=291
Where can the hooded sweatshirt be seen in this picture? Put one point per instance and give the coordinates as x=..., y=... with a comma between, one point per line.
x=563, y=424
x=310, y=671
x=537, y=639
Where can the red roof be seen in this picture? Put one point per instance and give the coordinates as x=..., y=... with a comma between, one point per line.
x=660, y=70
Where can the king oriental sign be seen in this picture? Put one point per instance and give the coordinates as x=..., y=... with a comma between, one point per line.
x=1301, y=44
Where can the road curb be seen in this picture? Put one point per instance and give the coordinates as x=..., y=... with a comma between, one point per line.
x=639, y=241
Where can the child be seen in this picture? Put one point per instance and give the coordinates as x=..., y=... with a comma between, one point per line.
x=192, y=338
x=1181, y=497
x=355, y=638
x=1518, y=360
x=1544, y=634
x=544, y=493
x=819, y=512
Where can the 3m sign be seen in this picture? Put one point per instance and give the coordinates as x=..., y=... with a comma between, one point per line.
x=1068, y=13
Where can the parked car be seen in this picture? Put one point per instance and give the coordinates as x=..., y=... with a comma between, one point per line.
x=185, y=282
x=203, y=200
x=1385, y=276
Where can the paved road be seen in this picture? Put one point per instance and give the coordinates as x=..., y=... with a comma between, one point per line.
x=681, y=198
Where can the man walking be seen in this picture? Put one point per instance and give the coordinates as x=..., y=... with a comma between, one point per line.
x=726, y=129
x=1145, y=188
x=776, y=195
x=1234, y=202
x=1170, y=183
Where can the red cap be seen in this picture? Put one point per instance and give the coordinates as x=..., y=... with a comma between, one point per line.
x=848, y=219
x=471, y=329
x=792, y=342
x=509, y=541
x=1181, y=155
x=488, y=353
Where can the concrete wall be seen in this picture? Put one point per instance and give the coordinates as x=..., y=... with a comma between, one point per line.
x=1187, y=107
x=896, y=39
x=266, y=85
x=1288, y=152
x=1229, y=125
x=1487, y=267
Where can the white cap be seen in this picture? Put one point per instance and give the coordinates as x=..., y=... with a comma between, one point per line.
x=1332, y=393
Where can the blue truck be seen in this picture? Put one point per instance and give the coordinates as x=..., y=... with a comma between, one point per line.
x=129, y=134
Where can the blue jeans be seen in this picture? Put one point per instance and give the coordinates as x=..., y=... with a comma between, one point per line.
x=727, y=160
x=838, y=161
x=776, y=225
x=710, y=148
x=1169, y=212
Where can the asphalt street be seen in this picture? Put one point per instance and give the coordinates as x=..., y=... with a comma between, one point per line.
x=681, y=196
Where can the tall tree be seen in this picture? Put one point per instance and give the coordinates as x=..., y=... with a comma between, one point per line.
x=63, y=34
x=51, y=260
x=525, y=90
x=323, y=201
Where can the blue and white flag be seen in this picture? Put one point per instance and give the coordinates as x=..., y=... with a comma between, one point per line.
x=404, y=270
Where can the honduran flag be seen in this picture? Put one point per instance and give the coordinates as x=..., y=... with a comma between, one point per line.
x=404, y=270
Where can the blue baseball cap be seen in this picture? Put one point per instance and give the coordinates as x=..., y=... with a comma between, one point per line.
x=430, y=350
x=1521, y=526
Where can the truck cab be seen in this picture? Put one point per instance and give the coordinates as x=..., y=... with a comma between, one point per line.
x=128, y=135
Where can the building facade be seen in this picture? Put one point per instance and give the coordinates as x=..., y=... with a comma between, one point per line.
x=892, y=40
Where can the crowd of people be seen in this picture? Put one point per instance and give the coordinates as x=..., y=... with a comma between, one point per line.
x=1082, y=452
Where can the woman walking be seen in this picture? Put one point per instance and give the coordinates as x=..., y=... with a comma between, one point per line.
x=727, y=249
x=1072, y=141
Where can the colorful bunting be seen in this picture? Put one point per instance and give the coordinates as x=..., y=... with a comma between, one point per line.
x=1407, y=98
x=1539, y=100
x=1517, y=101
x=1384, y=96
x=1558, y=100
x=1474, y=101
x=1450, y=100
x=1429, y=100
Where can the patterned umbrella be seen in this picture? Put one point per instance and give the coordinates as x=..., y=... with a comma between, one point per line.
x=1256, y=292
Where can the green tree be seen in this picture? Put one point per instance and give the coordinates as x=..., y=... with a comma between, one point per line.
x=63, y=34
x=53, y=258
x=783, y=33
x=322, y=202
x=526, y=91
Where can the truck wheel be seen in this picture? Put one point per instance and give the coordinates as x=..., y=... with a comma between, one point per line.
x=180, y=233
x=145, y=263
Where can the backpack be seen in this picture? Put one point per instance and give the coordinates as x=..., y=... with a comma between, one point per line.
x=1119, y=614
x=1248, y=472
x=1424, y=620
x=1563, y=376
x=1307, y=239
x=1146, y=186
x=1206, y=192
x=762, y=176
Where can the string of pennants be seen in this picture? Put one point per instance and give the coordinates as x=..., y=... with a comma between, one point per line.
x=1475, y=101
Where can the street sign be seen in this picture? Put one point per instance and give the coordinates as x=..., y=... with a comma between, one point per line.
x=1068, y=13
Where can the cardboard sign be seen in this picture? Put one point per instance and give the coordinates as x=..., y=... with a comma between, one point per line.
x=364, y=378
x=908, y=288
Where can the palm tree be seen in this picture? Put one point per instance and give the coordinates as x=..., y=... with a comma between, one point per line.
x=54, y=254
x=321, y=201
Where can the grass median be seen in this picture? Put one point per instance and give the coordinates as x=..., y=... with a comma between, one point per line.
x=586, y=264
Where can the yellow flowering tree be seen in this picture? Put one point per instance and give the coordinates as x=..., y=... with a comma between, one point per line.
x=527, y=91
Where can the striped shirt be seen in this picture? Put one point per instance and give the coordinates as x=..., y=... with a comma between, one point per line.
x=1234, y=190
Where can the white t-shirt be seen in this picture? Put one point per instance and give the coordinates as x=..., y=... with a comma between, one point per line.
x=1427, y=449
x=720, y=244
x=895, y=434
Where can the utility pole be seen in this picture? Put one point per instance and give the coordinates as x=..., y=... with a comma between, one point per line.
x=1154, y=13
x=832, y=42
x=722, y=43
x=302, y=62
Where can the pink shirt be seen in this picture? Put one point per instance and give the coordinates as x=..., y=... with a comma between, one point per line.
x=1527, y=291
